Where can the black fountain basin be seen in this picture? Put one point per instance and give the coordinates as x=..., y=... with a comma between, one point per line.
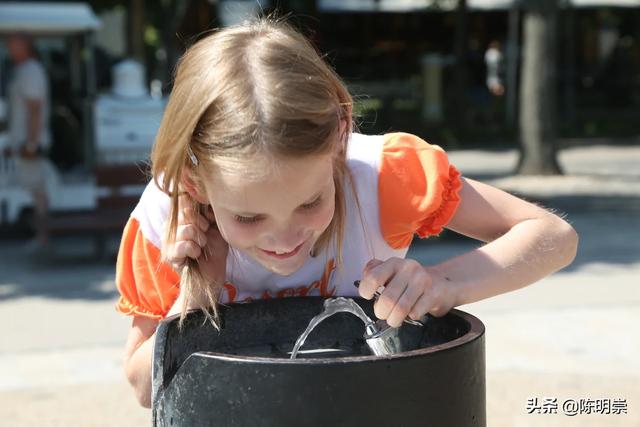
x=242, y=375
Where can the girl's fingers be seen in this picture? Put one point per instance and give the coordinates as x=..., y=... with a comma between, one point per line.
x=421, y=307
x=190, y=232
x=371, y=264
x=404, y=305
x=187, y=215
x=376, y=274
x=183, y=250
x=391, y=295
x=406, y=290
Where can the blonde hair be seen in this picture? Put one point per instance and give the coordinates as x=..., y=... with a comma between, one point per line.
x=259, y=87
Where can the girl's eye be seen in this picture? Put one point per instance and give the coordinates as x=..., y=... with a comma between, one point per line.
x=254, y=219
x=313, y=204
x=247, y=219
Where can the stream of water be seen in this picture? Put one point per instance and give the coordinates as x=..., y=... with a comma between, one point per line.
x=331, y=307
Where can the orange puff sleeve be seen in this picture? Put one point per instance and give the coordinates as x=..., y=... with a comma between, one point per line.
x=417, y=189
x=148, y=287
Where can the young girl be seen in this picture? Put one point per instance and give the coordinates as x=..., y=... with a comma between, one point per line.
x=262, y=190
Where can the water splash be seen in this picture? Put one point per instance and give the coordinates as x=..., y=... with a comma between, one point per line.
x=331, y=307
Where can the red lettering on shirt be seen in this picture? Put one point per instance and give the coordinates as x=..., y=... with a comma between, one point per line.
x=232, y=292
x=322, y=285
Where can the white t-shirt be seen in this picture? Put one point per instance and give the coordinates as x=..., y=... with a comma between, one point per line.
x=404, y=186
x=29, y=82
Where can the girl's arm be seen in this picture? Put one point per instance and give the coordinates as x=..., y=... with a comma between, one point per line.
x=138, y=357
x=138, y=353
x=527, y=243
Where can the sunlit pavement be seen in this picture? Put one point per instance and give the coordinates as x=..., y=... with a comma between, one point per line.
x=574, y=335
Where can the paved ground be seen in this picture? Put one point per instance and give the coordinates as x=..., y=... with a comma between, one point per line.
x=573, y=335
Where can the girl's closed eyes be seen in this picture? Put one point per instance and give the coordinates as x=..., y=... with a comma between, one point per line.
x=247, y=219
x=257, y=218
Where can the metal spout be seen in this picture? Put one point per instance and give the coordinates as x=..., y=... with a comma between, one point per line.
x=382, y=339
x=370, y=329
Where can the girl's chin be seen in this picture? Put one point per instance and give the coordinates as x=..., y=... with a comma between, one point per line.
x=282, y=269
x=281, y=272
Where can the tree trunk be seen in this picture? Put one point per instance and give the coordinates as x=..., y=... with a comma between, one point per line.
x=136, y=30
x=537, y=90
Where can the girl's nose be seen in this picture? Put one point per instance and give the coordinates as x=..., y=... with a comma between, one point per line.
x=287, y=239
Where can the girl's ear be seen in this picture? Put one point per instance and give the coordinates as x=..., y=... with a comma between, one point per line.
x=192, y=189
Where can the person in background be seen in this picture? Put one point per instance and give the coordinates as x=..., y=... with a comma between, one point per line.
x=28, y=126
x=493, y=59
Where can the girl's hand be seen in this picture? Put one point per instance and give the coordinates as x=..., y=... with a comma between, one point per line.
x=409, y=290
x=198, y=237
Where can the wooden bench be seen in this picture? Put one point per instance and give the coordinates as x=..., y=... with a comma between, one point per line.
x=118, y=190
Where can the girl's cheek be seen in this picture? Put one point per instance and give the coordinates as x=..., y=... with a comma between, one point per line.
x=235, y=234
x=321, y=220
x=239, y=237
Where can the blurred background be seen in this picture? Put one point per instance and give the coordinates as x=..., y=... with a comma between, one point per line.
x=538, y=97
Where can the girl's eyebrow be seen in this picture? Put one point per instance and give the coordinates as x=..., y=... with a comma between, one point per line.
x=310, y=200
